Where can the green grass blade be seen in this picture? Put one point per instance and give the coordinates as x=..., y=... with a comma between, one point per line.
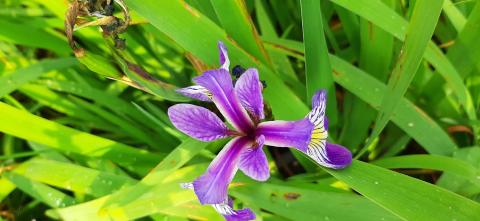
x=183, y=23
x=177, y=158
x=236, y=21
x=409, y=198
x=441, y=163
x=148, y=82
x=74, y=178
x=464, y=55
x=6, y=187
x=48, y=195
x=117, y=203
x=387, y=19
x=376, y=51
x=281, y=62
x=306, y=204
x=318, y=71
x=407, y=116
x=455, y=16
x=458, y=183
x=420, y=30
x=67, y=139
x=13, y=81
x=28, y=35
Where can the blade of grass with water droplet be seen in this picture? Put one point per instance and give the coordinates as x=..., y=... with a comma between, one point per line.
x=387, y=19
x=73, y=177
x=29, y=35
x=41, y=192
x=376, y=51
x=407, y=197
x=304, y=204
x=411, y=119
x=420, y=30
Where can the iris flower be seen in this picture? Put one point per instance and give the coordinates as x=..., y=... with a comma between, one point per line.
x=242, y=107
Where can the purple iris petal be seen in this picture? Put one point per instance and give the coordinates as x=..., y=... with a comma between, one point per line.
x=198, y=122
x=219, y=83
x=333, y=156
x=211, y=187
x=241, y=215
x=195, y=92
x=224, y=61
x=325, y=124
x=287, y=133
x=325, y=154
x=253, y=161
x=233, y=215
x=249, y=91
x=319, y=98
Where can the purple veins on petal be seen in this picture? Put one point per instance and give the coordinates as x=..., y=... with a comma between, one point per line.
x=211, y=187
x=249, y=91
x=326, y=154
x=219, y=83
x=253, y=161
x=319, y=99
x=196, y=92
x=224, y=60
x=230, y=214
x=332, y=156
x=198, y=122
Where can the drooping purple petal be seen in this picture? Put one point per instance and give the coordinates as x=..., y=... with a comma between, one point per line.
x=333, y=156
x=249, y=91
x=211, y=187
x=279, y=133
x=198, y=122
x=234, y=215
x=253, y=161
x=326, y=154
x=219, y=83
x=196, y=92
x=224, y=61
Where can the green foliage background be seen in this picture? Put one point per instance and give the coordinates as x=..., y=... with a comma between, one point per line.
x=87, y=138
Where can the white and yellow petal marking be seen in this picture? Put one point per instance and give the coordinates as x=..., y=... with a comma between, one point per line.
x=316, y=148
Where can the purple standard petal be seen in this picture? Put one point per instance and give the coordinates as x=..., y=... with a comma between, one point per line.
x=234, y=215
x=249, y=91
x=253, y=161
x=219, y=83
x=196, y=92
x=287, y=133
x=211, y=187
x=224, y=61
x=198, y=122
x=332, y=156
